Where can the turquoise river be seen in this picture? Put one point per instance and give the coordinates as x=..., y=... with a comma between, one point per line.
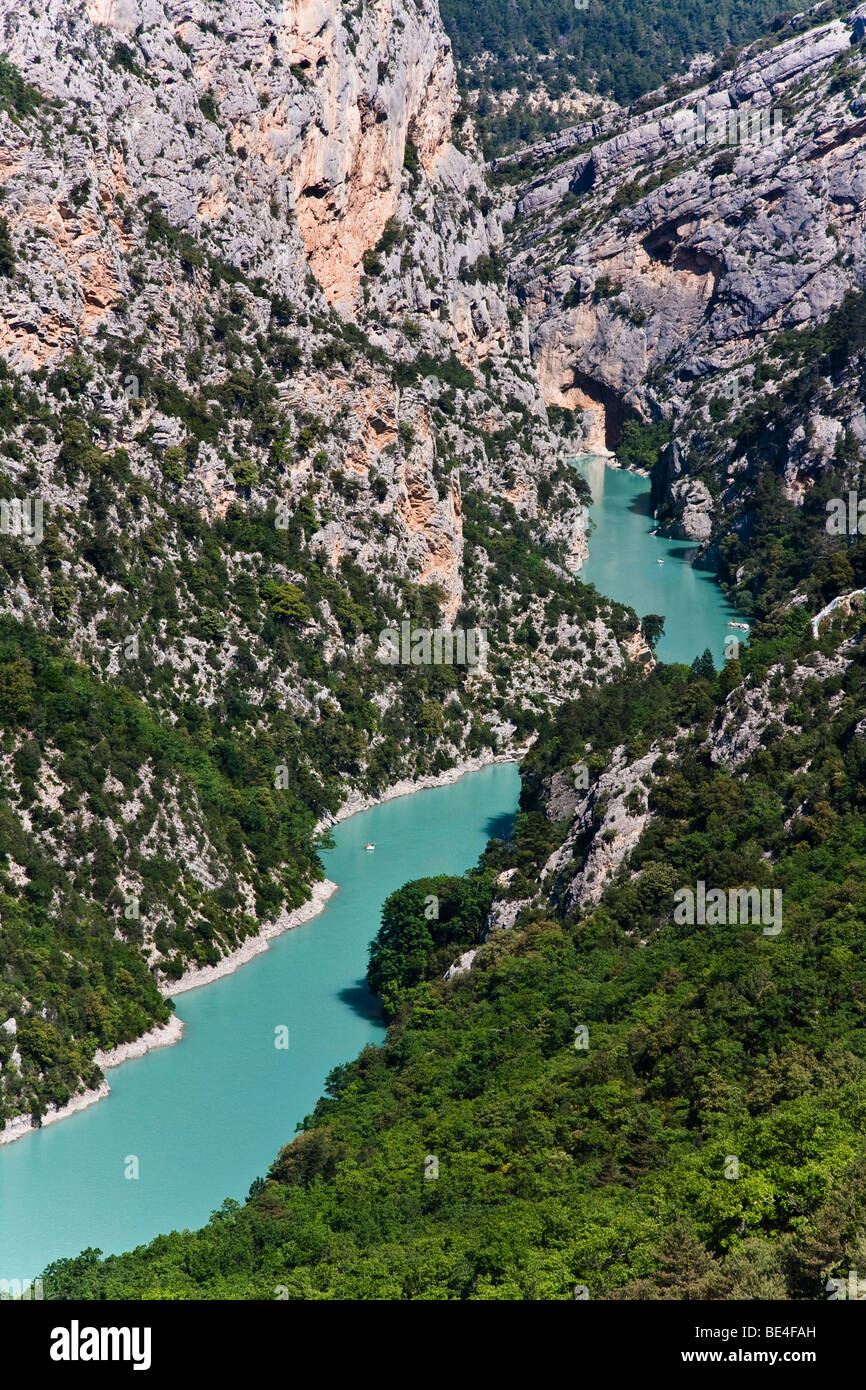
x=206, y=1116
x=624, y=565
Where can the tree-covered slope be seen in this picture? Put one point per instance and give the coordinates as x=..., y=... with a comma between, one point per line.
x=506, y=53
x=255, y=416
x=703, y=1138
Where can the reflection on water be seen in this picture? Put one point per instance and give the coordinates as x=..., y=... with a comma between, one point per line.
x=594, y=468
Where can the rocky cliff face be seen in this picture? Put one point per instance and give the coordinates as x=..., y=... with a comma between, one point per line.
x=602, y=817
x=219, y=205
x=606, y=823
x=666, y=256
x=317, y=101
x=263, y=397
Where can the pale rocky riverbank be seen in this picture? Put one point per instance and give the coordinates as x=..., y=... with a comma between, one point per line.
x=167, y=1034
x=254, y=945
x=172, y=1032
x=355, y=803
x=22, y=1124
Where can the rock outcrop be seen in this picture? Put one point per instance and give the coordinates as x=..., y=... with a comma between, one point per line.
x=606, y=824
x=662, y=260
x=261, y=379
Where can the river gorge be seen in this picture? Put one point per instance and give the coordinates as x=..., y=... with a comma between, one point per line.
x=187, y=1126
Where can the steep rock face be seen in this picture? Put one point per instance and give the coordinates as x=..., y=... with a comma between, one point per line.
x=259, y=371
x=606, y=824
x=346, y=181
x=692, y=506
x=656, y=264
x=271, y=150
x=287, y=143
x=318, y=104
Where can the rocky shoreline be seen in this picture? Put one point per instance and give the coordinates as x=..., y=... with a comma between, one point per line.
x=194, y=978
x=162, y=1036
x=168, y=1033
x=22, y=1124
x=406, y=786
x=197, y=976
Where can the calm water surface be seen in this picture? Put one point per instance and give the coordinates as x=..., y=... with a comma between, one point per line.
x=206, y=1116
x=623, y=565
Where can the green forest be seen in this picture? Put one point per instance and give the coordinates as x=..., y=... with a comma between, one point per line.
x=607, y=1166
x=557, y=45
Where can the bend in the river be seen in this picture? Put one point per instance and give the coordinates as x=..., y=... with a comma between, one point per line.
x=203, y=1118
x=623, y=564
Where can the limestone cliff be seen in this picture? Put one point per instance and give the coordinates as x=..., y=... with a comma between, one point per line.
x=263, y=397
x=192, y=167
x=667, y=255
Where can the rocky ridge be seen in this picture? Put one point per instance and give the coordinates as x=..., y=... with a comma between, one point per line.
x=661, y=275
x=259, y=371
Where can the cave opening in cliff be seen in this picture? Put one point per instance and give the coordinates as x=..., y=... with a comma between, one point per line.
x=615, y=411
x=664, y=246
x=584, y=179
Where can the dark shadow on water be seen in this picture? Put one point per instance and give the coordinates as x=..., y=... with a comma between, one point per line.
x=686, y=553
x=500, y=827
x=640, y=505
x=358, y=998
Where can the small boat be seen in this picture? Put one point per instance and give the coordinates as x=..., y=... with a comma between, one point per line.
x=659, y=562
x=369, y=846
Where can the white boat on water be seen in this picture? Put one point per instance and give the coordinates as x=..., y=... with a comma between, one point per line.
x=369, y=846
x=659, y=562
